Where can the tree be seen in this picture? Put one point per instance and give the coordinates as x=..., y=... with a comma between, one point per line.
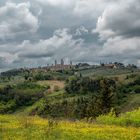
x=107, y=96
x=72, y=85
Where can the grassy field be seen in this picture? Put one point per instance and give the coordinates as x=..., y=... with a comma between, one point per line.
x=105, y=128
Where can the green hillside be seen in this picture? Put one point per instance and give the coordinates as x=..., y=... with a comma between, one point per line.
x=95, y=104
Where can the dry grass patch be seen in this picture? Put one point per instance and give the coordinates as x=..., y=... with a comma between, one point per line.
x=52, y=84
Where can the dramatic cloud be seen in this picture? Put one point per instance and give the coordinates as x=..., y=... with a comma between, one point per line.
x=16, y=19
x=37, y=32
x=120, y=19
x=119, y=27
x=122, y=46
x=60, y=45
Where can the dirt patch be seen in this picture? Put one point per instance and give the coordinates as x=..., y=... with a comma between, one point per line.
x=52, y=84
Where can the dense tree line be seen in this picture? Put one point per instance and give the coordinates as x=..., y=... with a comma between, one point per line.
x=23, y=94
x=80, y=85
x=41, y=76
x=13, y=72
x=132, y=87
x=100, y=101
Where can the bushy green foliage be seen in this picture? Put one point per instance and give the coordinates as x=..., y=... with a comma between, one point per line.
x=56, y=88
x=27, y=85
x=77, y=108
x=132, y=87
x=84, y=97
x=43, y=76
x=7, y=107
x=81, y=107
x=77, y=84
x=107, y=95
x=100, y=97
x=126, y=119
x=23, y=94
x=81, y=85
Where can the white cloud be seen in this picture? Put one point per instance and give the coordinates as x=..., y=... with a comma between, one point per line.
x=119, y=27
x=81, y=30
x=121, y=18
x=126, y=47
x=17, y=19
x=60, y=45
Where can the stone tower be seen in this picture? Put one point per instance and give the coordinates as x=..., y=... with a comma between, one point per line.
x=55, y=62
x=71, y=63
x=62, y=62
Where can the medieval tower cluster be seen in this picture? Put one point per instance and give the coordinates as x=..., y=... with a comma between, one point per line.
x=61, y=66
x=62, y=63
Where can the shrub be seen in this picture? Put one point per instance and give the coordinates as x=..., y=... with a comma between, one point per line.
x=8, y=107
x=42, y=76
x=56, y=88
x=127, y=119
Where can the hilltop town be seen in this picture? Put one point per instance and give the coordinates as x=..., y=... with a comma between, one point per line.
x=81, y=66
x=62, y=65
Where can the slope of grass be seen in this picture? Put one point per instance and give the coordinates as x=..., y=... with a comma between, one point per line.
x=28, y=128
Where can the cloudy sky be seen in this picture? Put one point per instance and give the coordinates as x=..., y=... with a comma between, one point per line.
x=36, y=32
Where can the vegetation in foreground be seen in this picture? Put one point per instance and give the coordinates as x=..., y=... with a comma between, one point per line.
x=68, y=96
x=106, y=127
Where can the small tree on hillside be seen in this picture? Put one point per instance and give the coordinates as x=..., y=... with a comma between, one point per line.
x=107, y=96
